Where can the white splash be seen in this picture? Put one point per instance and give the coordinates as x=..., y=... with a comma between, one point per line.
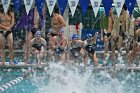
x=65, y=79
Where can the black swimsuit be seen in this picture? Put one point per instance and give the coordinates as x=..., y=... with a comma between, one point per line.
x=59, y=50
x=75, y=48
x=53, y=34
x=90, y=49
x=107, y=34
x=37, y=46
x=34, y=31
x=7, y=33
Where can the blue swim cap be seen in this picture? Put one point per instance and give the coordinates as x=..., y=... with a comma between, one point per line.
x=74, y=36
x=38, y=33
x=61, y=30
x=89, y=35
x=50, y=30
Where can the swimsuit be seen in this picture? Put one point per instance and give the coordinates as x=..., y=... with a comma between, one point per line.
x=90, y=49
x=59, y=50
x=75, y=48
x=106, y=34
x=53, y=34
x=37, y=46
x=75, y=51
x=34, y=31
x=7, y=33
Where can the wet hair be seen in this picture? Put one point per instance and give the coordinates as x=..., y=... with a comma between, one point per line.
x=10, y=9
x=56, y=10
x=1, y=8
x=124, y=7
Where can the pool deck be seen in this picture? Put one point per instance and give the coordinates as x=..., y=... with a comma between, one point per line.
x=23, y=66
x=42, y=66
x=117, y=68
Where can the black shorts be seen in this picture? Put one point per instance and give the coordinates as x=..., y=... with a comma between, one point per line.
x=107, y=34
x=7, y=33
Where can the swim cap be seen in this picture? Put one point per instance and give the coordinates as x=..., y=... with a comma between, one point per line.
x=50, y=30
x=38, y=33
x=89, y=35
x=74, y=36
x=61, y=30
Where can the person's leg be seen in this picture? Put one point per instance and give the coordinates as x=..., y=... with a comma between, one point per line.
x=127, y=50
x=120, y=43
x=28, y=39
x=137, y=32
x=113, y=50
x=63, y=58
x=38, y=59
x=73, y=54
x=131, y=57
x=106, y=54
x=106, y=42
x=42, y=54
x=95, y=59
x=70, y=58
x=137, y=60
x=86, y=60
x=139, y=51
x=83, y=55
x=50, y=55
x=2, y=48
x=10, y=44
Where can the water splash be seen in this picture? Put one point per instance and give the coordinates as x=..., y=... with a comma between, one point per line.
x=66, y=79
x=0, y=78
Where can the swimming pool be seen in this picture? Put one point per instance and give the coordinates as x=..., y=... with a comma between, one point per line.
x=69, y=79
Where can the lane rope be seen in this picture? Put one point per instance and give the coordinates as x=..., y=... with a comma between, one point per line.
x=13, y=82
x=10, y=83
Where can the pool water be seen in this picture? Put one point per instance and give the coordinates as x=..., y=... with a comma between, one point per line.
x=70, y=79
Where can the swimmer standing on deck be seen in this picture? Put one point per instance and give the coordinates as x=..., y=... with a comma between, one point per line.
x=57, y=22
x=6, y=25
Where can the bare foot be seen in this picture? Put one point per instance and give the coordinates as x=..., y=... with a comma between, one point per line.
x=38, y=63
x=26, y=63
x=2, y=63
x=11, y=63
